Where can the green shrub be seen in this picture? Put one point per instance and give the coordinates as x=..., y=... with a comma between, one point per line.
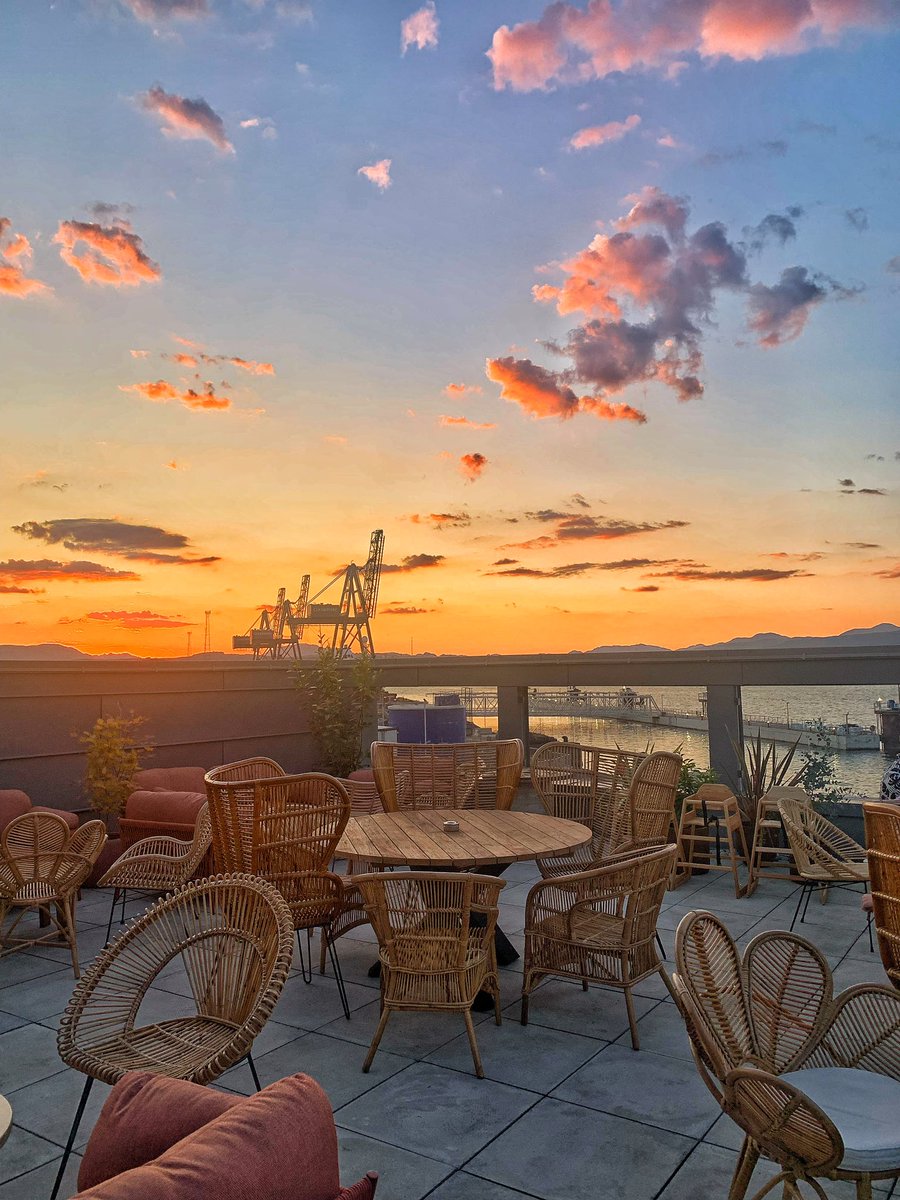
x=338, y=698
x=114, y=755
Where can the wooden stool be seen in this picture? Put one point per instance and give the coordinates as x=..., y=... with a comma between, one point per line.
x=712, y=805
x=771, y=856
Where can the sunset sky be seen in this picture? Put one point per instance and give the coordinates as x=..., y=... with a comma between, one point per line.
x=591, y=307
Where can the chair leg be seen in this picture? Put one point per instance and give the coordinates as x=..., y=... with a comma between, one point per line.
x=122, y=914
x=864, y=1188
x=67, y=912
x=305, y=959
x=746, y=1165
x=632, y=1022
x=112, y=911
x=473, y=1044
x=803, y=890
x=79, y=1113
x=338, y=974
x=385, y=1013
x=869, y=924
x=322, y=953
x=662, y=948
x=252, y=1065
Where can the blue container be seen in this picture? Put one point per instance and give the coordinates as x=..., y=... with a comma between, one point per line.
x=428, y=724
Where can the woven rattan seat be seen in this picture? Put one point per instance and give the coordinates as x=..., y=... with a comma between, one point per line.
x=883, y=842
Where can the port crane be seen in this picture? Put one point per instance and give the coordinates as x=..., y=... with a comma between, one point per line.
x=279, y=630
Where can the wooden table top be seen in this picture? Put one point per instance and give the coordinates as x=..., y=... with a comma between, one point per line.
x=416, y=838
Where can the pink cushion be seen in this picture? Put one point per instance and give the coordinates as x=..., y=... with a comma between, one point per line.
x=279, y=1144
x=143, y=1116
x=170, y=779
x=179, y=808
x=13, y=803
x=70, y=818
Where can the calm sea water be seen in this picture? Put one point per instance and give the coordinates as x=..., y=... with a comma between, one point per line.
x=860, y=770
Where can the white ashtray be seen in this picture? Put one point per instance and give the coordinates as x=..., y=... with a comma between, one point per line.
x=451, y=827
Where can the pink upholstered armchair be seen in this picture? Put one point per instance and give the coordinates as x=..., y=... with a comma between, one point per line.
x=166, y=802
x=163, y=1137
x=14, y=803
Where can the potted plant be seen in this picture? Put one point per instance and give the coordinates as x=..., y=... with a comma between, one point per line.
x=114, y=755
x=338, y=698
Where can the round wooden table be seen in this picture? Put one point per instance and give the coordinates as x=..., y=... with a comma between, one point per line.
x=486, y=838
x=5, y=1119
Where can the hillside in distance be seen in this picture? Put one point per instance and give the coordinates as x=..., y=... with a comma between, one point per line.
x=884, y=634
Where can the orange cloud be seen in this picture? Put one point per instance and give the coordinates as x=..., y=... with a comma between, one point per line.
x=187, y=119
x=378, y=173
x=457, y=520
x=457, y=390
x=13, y=279
x=161, y=392
x=412, y=562
x=114, y=255
x=465, y=423
x=543, y=393
x=19, y=570
x=183, y=341
x=144, y=619
x=570, y=45
x=472, y=465
x=599, y=135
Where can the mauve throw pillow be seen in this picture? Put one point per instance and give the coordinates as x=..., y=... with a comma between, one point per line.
x=143, y=1116
x=279, y=1144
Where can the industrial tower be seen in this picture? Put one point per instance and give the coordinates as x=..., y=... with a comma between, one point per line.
x=279, y=630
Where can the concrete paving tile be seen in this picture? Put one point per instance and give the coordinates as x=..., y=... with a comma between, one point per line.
x=463, y=1186
x=737, y=923
x=536, y=1057
x=726, y=1134
x=21, y=966
x=511, y=918
x=47, y=1108
x=435, y=1112
x=401, y=1174
x=654, y=1088
x=8, y=1022
x=413, y=1034
x=860, y=970
x=598, y=1012
x=336, y=1065
x=662, y=1031
x=633, y=1161
x=38, y=998
x=91, y=940
x=355, y=958
x=311, y=1005
x=38, y=1183
x=26, y=1055
x=22, y=1152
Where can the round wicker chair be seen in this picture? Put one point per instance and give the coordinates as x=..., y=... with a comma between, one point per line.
x=233, y=936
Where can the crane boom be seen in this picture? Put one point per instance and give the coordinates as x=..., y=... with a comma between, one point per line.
x=372, y=572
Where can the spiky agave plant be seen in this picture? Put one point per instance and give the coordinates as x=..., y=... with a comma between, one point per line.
x=765, y=768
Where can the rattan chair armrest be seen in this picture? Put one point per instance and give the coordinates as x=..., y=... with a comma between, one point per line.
x=158, y=846
x=70, y=870
x=861, y=1031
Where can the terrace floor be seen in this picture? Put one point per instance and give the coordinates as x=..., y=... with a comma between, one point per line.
x=567, y=1108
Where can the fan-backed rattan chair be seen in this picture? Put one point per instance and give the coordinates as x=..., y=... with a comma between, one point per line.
x=454, y=775
x=233, y=937
x=824, y=856
x=598, y=926
x=588, y=784
x=651, y=799
x=436, y=944
x=157, y=864
x=285, y=828
x=43, y=863
x=883, y=851
x=813, y=1080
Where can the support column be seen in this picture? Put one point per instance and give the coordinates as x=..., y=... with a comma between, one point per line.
x=726, y=733
x=512, y=713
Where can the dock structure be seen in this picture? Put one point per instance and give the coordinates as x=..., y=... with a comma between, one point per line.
x=642, y=708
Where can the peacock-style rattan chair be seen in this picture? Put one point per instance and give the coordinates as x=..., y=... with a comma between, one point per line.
x=813, y=1080
x=233, y=937
x=157, y=864
x=824, y=856
x=285, y=828
x=43, y=863
x=453, y=775
x=598, y=926
x=883, y=851
x=588, y=784
x=436, y=944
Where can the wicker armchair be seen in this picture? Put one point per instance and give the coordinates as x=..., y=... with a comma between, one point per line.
x=824, y=856
x=233, y=936
x=590, y=785
x=455, y=775
x=813, y=1080
x=883, y=842
x=157, y=864
x=285, y=828
x=598, y=926
x=43, y=863
x=651, y=799
x=436, y=944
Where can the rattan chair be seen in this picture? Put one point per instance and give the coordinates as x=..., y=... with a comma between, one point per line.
x=233, y=936
x=824, y=856
x=711, y=812
x=651, y=799
x=813, y=1080
x=771, y=856
x=157, y=864
x=598, y=926
x=436, y=944
x=883, y=851
x=588, y=784
x=43, y=863
x=285, y=828
x=454, y=775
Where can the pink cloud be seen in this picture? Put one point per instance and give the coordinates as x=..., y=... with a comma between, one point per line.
x=779, y=313
x=187, y=119
x=472, y=465
x=378, y=173
x=420, y=29
x=543, y=393
x=113, y=256
x=571, y=45
x=149, y=11
x=13, y=278
x=161, y=392
x=464, y=423
x=457, y=390
x=599, y=135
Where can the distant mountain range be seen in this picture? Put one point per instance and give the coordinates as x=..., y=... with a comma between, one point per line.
x=879, y=635
x=884, y=634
